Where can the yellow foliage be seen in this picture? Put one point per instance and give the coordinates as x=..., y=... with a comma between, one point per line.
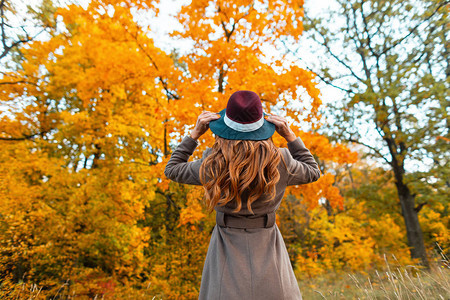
x=349, y=241
x=83, y=197
x=192, y=213
x=435, y=223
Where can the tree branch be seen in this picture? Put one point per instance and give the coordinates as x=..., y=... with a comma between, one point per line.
x=25, y=137
x=420, y=206
x=371, y=148
x=325, y=44
x=20, y=81
x=2, y=14
x=325, y=80
x=415, y=27
x=169, y=94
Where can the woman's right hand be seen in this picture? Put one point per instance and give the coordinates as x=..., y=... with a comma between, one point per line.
x=202, y=124
x=282, y=127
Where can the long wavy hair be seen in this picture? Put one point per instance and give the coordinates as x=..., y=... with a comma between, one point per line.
x=236, y=166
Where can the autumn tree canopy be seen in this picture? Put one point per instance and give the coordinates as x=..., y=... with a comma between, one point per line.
x=90, y=116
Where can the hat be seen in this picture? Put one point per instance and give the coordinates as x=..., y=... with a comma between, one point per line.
x=243, y=119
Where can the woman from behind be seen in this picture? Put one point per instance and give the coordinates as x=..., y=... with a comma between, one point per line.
x=244, y=176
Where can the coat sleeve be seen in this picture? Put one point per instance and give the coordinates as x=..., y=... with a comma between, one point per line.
x=302, y=167
x=179, y=169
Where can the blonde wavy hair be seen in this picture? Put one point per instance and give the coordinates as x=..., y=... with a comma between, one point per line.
x=236, y=166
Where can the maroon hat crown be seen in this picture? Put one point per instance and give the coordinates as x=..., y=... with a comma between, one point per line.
x=244, y=107
x=243, y=119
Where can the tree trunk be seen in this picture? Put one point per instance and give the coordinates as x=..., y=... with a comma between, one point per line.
x=413, y=229
x=221, y=79
x=409, y=213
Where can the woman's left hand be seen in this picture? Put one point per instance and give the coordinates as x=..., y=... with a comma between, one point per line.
x=202, y=124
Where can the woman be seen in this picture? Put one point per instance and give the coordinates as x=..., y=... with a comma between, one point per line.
x=244, y=176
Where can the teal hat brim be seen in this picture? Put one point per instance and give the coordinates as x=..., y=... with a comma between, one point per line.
x=219, y=128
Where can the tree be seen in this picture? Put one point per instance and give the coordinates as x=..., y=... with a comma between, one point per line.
x=390, y=61
x=18, y=28
x=80, y=136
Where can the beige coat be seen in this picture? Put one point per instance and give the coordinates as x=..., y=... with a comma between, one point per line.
x=248, y=263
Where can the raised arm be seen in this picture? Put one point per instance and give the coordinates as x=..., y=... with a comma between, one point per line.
x=179, y=169
x=302, y=167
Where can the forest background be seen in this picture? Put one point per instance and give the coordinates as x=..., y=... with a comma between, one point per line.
x=93, y=103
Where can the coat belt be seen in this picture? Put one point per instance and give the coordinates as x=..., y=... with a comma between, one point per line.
x=227, y=220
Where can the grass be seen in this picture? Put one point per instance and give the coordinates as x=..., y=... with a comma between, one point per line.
x=394, y=282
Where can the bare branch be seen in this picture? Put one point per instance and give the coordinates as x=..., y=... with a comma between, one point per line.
x=371, y=148
x=366, y=30
x=2, y=15
x=398, y=42
x=325, y=44
x=17, y=82
x=28, y=38
x=25, y=137
x=325, y=80
x=419, y=206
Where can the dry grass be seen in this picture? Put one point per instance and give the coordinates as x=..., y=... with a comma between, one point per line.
x=395, y=282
